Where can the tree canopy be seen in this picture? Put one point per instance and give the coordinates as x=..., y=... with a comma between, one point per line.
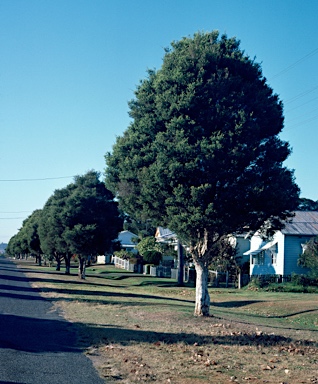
x=202, y=155
x=307, y=204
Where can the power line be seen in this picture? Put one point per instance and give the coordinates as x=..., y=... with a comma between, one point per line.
x=312, y=53
x=301, y=105
x=306, y=114
x=294, y=98
x=14, y=212
x=302, y=122
x=40, y=179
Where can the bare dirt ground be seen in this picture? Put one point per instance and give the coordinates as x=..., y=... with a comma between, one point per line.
x=141, y=331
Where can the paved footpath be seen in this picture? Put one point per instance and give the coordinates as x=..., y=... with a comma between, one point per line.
x=37, y=346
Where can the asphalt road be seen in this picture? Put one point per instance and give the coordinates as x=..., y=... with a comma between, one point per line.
x=37, y=346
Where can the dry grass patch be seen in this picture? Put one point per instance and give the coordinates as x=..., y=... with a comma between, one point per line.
x=136, y=331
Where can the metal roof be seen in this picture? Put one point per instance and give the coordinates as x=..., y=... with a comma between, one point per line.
x=163, y=234
x=303, y=223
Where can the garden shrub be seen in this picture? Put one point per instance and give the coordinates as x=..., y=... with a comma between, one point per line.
x=304, y=280
x=152, y=257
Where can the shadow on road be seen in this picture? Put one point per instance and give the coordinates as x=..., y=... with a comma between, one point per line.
x=37, y=335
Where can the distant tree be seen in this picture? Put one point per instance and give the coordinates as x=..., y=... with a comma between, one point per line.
x=51, y=229
x=305, y=204
x=309, y=258
x=90, y=219
x=16, y=247
x=31, y=235
x=202, y=155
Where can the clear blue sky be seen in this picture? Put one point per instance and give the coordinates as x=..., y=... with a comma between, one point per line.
x=69, y=67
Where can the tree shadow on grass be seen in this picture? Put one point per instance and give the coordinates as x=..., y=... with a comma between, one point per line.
x=109, y=335
x=236, y=304
x=114, y=298
x=25, y=279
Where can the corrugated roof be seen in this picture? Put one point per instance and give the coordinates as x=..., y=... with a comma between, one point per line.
x=303, y=223
x=164, y=234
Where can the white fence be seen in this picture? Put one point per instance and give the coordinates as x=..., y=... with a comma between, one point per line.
x=125, y=264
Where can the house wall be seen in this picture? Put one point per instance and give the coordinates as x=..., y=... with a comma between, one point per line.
x=270, y=265
x=242, y=245
x=257, y=269
x=293, y=249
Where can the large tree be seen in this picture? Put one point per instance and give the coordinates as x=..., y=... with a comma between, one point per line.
x=202, y=154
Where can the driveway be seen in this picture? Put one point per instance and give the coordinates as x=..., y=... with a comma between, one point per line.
x=37, y=345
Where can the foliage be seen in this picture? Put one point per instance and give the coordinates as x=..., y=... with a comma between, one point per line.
x=27, y=241
x=304, y=280
x=150, y=250
x=225, y=259
x=307, y=204
x=149, y=244
x=152, y=257
x=140, y=228
x=81, y=219
x=202, y=155
x=295, y=283
x=90, y=217
x=17, y=246
x=309, y=258
x=123, y=254
x=30, y=227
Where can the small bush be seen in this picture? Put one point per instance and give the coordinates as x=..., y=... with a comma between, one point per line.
x=152, y=257
x=123, y=254
x=291, y=287
x=304, y=280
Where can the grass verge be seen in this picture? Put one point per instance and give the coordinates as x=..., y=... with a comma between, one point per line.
x=140, y=329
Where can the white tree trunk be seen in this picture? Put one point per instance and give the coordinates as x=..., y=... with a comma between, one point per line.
x=202, y=297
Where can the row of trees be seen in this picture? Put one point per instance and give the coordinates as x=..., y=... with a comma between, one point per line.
x=81, y=219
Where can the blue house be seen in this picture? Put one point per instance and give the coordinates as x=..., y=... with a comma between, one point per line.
x=279, y=255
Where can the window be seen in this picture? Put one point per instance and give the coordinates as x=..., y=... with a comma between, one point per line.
x=274, y=257
x=259, y=258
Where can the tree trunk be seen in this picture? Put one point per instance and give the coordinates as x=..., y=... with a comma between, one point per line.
x=202, y=297
x=81, y=267
x=67, y=260
x=58, y=264
x=180, y=264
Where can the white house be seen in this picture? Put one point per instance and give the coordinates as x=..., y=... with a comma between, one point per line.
x=164, y=235
x=279, y=255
